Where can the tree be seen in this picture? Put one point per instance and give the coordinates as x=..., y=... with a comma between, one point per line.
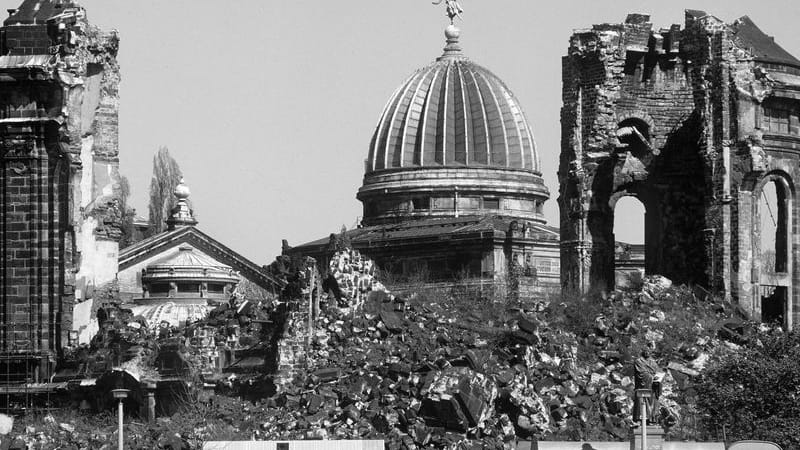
x=755, y=392
x=130, y=235
x=166, y=175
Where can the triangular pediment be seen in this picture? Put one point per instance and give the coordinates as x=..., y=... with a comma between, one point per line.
x=168, y=242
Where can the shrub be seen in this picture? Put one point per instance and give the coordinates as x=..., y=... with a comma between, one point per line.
x=754, y=393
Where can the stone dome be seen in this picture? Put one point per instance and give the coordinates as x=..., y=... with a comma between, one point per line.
x=183, y=287
x=452, y=126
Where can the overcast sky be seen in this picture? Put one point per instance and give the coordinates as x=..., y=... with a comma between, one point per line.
x=269, y=106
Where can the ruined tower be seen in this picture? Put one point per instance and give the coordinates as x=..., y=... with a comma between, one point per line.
x=700, y=124
x=59, y=217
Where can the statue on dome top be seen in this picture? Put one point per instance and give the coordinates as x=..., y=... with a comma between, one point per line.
x=454, y=9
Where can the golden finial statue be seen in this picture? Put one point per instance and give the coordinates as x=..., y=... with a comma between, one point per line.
x=453, y=9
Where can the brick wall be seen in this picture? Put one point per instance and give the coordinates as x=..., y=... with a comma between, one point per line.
x=25, y=40
x=32, y=188
x=58, y=176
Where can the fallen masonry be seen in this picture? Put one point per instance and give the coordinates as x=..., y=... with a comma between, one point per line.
x=427, y=369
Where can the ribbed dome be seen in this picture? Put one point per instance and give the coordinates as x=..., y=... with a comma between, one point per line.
x=453, y=113
x=189, y=265
x=451, y=142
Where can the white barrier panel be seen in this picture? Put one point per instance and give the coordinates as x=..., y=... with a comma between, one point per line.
x=584, y=445
x=754, y=445
x=295, y=445
x=693, y=446
x=578, y=445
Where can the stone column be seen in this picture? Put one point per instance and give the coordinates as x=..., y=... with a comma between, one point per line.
x=150, y=400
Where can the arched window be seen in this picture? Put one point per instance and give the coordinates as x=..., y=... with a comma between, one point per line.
x=629, y=220
x=772, y=249
x=772, y=228
x=629, y=236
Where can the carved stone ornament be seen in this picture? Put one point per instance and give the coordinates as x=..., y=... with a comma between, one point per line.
x=18, y=168
x=18, y=149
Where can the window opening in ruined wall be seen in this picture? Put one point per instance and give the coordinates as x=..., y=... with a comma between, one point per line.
x=773, y=250
x=629, y=233
x=772, y=229
x=781, y=117
x=634, y=135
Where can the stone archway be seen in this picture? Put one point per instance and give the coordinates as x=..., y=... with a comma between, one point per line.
x=773, y=249
x=630, y=226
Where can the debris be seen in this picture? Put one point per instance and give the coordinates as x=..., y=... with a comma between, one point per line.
x=6, y=424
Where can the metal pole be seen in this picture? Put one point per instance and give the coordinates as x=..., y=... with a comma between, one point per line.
x=312, y=283
x=643, y=409
x=120, y=425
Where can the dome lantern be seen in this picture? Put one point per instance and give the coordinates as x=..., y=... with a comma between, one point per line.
x=182, y=215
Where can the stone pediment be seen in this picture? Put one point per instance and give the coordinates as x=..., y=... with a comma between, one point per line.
x=168, y=242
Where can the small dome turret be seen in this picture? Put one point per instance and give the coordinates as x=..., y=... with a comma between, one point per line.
x=182, y=215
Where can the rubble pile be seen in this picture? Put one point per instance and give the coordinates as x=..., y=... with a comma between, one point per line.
x=352, y=278
x=122, y=341
x=424, y=370
x=418, y=372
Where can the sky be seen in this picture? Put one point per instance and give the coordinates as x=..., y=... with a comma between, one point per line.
x=269, y=106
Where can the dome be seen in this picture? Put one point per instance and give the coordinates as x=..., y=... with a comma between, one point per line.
x=183, y=286
x=187, y=265
x=175, y=314
x=453, y=112
x=453, y=130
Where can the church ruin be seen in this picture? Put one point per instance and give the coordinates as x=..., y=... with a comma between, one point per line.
x=701, y=124
x=59, y=217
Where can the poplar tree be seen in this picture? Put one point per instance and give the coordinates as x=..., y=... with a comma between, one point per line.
x=166, y=176
x=129, y=234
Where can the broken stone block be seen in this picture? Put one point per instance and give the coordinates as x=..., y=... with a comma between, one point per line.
x=444, y=411
x=504, y=377
x=392, y=320
x=524, y=337
x=328, y=374
x=528, y=325
x=6, y=424
x=655, y=284
x=682, y=369
x=314, y=403
x=473, y=401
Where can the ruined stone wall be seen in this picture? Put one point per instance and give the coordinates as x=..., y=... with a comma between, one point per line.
x=614, y=78
x=674, y=118
x=58, y=178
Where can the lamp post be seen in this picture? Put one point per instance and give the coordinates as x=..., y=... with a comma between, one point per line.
x=121, y=395
x=642, y=396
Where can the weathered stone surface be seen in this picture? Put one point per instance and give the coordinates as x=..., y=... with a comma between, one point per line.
x=58, y=174
x=694, y=122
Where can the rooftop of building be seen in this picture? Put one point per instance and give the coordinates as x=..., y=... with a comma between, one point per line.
x=762, y=46
x=32, y=12
x=184, y=234
x=418, y=231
